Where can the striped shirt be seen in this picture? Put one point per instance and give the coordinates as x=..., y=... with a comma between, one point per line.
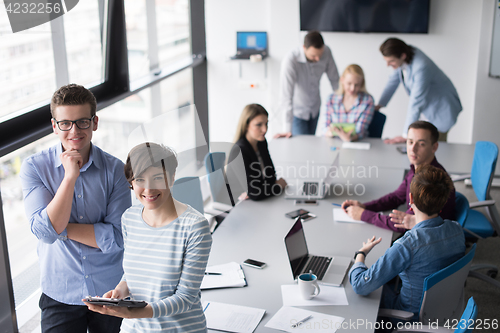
x=165, y=266
x=361, y=112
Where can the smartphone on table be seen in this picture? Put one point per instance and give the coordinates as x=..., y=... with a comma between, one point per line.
x=306, y=202
x=254, y=263
x=296, y=213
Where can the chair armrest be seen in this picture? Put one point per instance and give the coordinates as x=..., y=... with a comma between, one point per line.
x=398, y=314
x=481, y=203
x=457, y=178
x=472, y=233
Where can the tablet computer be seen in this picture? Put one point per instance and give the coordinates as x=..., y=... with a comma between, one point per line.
x=345, y=126
x=115, y=302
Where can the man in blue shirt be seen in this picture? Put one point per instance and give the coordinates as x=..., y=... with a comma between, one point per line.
x=74, y=196
x=431, y=245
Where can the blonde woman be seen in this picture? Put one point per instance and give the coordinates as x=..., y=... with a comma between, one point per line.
x=251, y=141
x=350, y=104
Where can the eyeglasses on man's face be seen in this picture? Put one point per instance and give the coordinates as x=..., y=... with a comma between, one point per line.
x=66, y=125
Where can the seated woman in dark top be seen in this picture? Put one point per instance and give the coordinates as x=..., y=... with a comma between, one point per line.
x=250, y=140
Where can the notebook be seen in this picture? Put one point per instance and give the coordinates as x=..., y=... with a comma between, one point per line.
x=249, y=43
x=312, y=188
x=329, y=270
x=231, y=275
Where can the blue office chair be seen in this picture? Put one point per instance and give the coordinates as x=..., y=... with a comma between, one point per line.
x=376, y=127
x=475, y=224
x=443, y=296
x=188, y=190
x=465, y=324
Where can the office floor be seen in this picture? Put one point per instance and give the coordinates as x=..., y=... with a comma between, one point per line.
x=487, y=296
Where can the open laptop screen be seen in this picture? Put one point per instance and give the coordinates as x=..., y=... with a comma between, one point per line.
x=254, y=42
x=295, y=243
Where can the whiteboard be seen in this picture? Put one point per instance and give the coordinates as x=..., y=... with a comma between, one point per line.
x=495, y=43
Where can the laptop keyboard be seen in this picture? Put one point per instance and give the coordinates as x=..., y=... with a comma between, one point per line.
x=310, y=188
x=318, y=265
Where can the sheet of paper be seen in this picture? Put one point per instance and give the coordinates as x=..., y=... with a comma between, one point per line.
x=232, y=318
x=231, y=276
x=356, y=145
x=287, y=316
x=327, y=296
x=339, y=215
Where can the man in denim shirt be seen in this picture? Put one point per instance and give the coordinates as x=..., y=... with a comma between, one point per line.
x=431, y=245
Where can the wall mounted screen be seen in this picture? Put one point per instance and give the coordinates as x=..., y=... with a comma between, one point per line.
x=396, y=16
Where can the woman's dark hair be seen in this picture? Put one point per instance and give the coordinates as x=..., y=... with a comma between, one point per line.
x=394, y=47
x=430, y=188
x=314, y=39
x=147, y=155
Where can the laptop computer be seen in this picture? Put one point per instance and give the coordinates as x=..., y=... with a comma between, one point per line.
x=249, y=43
x=329, y=270
x=312, y=188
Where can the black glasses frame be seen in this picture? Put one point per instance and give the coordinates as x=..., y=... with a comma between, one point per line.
x=74, y=122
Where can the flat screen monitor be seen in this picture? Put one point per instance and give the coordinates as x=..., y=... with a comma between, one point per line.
x=254, y=42
x=387, y=16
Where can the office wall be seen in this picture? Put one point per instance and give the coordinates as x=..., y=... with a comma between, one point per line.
x=487, y=103
x=452, y=42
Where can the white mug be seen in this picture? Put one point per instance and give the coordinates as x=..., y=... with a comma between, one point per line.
x=308, y=285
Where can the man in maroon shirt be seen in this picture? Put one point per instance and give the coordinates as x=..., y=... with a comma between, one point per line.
x=421, y=146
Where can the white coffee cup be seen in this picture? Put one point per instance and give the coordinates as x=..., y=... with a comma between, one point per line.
x=308, y=285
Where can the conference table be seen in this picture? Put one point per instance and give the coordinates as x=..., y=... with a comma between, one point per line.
x=256, y=229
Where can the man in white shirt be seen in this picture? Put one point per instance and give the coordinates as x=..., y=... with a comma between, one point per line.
x=301, y=72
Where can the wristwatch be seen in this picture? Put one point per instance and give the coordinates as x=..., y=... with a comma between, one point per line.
x=358, y=252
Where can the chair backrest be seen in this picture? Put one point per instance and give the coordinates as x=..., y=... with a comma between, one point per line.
x=468, y=319
x=188, y=190
x=219, y=187
x=461, y=208
x=214, y=161
x=376, y=127
x=483, y=168
x=443, y=297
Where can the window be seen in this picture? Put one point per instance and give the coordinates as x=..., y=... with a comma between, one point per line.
x=27, y=72
x=82, y=32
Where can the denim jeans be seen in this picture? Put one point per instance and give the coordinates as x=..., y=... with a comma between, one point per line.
x=304, y=127
x=61, y=318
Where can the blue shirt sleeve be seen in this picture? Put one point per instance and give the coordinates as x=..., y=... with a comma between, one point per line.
x=365, y=280
x=36, y=198
x=390, y=88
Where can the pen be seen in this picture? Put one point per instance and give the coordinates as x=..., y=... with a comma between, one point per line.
x=300, y=322
x=336, y=204
x=211, y=273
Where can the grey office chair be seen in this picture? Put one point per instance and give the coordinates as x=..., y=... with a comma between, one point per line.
x=443, y=295
x=188, y=190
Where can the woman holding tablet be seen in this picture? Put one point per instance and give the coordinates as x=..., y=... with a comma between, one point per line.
x=251, y=141
x=166, y=248
x=350, y=104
